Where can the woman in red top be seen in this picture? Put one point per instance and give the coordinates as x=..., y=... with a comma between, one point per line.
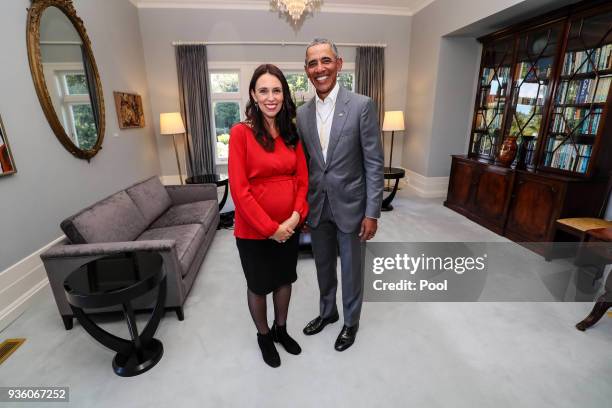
x=269, y=181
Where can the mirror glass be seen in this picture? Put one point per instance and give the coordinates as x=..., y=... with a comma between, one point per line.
x=70, y=78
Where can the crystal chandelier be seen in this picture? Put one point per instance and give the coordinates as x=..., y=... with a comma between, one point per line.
x=295, y=8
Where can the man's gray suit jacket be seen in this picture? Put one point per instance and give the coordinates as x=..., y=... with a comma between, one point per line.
x=352, y=176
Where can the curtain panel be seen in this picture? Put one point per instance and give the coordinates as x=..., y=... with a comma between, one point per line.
x=194, y=95
x=370, y=76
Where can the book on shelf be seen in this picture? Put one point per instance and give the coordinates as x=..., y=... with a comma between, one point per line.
x=565, y=156
x=531, y=146
x=576, y=120
x=588, y=60
x=579, y=91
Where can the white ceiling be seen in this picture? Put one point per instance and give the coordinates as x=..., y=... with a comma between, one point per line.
x=389, y=7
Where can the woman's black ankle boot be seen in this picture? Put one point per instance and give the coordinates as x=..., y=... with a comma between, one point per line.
x=268, y=350
x=280, y=335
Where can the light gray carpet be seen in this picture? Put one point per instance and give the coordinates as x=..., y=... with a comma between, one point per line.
x=406, y=354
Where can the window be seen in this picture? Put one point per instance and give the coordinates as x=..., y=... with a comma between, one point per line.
x=76, y=108
x=299, y=86
x=224, y=82
x=302, y=90
x=226, y=101
x=226, y=114
x=229, y=93
x=345, y=79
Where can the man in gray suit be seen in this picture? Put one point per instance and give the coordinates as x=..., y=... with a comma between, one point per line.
x=341, y=136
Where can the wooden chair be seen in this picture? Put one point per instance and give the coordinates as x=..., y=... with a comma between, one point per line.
x=578, y=227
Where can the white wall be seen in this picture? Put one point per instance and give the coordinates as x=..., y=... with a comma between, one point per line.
x=160, y=27
x=50, y=183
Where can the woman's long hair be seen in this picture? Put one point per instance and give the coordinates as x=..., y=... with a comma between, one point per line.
x=283, y=120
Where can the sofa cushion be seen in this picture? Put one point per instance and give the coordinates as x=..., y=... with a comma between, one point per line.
x=200, y=212
x=151, y=198
x=114, y=219
x=188, y=240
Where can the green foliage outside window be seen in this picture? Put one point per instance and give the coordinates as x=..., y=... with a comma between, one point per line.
x=77, y=84
x=345, y=80
x=532, y=128
x=85, y=126
x=226, y=115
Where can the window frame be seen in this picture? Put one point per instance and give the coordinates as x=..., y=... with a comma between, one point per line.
x=245, y=70
x=55, y=73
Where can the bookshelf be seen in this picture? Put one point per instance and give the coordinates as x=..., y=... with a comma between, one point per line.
x=546, y=81
x=492, y=95
x=581, y=96
x=533, y=78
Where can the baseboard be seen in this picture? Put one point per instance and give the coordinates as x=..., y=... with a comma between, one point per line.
x=427, y=187
x=20, y=283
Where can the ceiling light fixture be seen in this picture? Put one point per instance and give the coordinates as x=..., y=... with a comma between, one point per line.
x=295, y=8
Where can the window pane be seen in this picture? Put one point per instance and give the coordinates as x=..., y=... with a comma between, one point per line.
x=85, y=126
x=297, y=82
x=76, y=84
x=346, y=80
x=224, y=82
x=298, y=85
x=226, y=115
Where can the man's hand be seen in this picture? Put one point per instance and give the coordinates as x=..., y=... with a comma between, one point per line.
x=368, y=229
x=282, y=234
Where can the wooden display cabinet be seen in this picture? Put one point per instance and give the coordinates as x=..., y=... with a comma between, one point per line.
x=546, y=81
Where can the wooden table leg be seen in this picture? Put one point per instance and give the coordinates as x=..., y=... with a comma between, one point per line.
x=600, y=309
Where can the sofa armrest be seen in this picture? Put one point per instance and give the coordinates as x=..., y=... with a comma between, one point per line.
x=191, y=193
x=107, y=248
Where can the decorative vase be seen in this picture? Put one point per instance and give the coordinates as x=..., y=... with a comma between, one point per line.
x=508, y=151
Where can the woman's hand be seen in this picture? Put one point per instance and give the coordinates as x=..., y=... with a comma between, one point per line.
x=283, y=233
x=293, y=221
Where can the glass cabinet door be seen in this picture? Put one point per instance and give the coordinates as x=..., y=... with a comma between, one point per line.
x=581, y=95
x=491, y=99
x=531, y=86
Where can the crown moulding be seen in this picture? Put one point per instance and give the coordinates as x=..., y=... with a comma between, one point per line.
x=265, y=6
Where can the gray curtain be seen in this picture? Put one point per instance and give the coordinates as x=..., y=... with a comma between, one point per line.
x=194, y=95
x=90, y=78
x=370, y=76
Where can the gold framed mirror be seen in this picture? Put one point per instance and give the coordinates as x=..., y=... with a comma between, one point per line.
x=66, y=76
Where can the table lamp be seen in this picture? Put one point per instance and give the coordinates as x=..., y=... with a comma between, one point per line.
x=394, y=120
x=172, y=124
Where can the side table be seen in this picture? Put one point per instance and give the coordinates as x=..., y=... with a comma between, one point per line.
x=117, y=280
x=220, y=180
x=392, y=173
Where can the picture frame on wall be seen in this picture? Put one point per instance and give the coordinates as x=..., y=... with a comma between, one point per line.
x=7, y=164
x=130, y=112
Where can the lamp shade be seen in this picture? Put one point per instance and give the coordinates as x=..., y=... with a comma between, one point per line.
x=394, y=120
x=171, y=123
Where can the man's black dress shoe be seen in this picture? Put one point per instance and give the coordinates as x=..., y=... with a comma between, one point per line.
x=346, y=338
x=319, y=323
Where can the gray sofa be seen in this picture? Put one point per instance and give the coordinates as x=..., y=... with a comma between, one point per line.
x=178, y=222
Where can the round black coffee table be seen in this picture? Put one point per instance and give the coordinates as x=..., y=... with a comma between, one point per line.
x=219, y=179
x=118, y=280
x=392, y=173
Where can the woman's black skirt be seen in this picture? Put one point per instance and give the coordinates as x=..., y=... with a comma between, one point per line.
x=267, y=264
